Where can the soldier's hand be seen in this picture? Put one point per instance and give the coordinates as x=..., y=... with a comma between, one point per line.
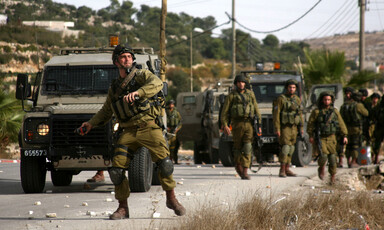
x=227, y=130
x=131, y=97
x=311, y=140
x=84, y=128
x=278, y=133
x=345, y=140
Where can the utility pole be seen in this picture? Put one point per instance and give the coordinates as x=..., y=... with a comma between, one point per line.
x=233, y=41
x=191, y=59
x=362, y=5
x=162, y=39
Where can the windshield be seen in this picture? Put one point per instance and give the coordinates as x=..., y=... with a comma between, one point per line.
x=78, y=79
x=267, y=92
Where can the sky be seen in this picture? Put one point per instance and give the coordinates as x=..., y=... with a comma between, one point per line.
x=289, y=20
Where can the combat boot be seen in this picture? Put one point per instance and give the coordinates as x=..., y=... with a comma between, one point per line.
x=239, y=169
x=98, y=177
x=282, y=170
x=173, y=203
x=354, y=163
x=340, y=164
x=245, y=175
x=122, y=211
x=289, y=172
x=333, y=179
x=321, y=172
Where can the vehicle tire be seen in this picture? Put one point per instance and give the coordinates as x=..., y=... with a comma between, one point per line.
x=303, y=152
x=33, y=172
x=197, y=156
x=155, y=175
x=226, y=153
x=140, y=171
x=61, y=178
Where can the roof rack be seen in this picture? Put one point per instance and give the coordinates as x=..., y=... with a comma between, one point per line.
x=136, y=50
x=260, y=72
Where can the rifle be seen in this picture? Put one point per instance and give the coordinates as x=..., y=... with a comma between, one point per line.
x=318, y=141
x=257, y=141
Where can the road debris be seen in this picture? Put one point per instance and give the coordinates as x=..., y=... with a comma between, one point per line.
x=30, y=212
x=84, y=204
x=37, y=203
x=108, y=200
x=180, y=182
x=91, y=213
x=51, y=215
x=156, y=215
x=66, y=206
x=187, y=193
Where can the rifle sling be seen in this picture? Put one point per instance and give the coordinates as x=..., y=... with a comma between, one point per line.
x=125, y=82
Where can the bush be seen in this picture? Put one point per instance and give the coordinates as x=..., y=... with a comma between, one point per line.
x=5, y=58
x=7, y=49
x=22, y=59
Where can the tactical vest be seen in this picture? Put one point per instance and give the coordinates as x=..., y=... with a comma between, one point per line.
x=290, y=112
x=350, y=115
x=172, y=118
x=328, y=125
x=242, y=105
x=139, y=108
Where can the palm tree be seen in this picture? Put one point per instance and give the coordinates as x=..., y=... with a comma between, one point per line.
x=11, y=117
x=362, y=78
x=324, y=66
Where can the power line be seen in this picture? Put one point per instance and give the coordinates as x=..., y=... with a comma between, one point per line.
x=284, y=27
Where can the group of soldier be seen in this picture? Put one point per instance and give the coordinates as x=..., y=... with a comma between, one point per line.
x=330, y=131
x=135, y=100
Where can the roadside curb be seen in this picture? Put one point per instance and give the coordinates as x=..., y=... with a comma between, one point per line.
x=9, y=161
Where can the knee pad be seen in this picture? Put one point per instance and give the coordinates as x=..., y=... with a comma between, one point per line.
x=285, y=149
x=117, y=175
x=247, y=148
x=332, y=160
x=291, y=150
x=165, y=167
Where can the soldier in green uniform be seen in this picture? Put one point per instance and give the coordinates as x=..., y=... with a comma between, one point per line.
x=378, y=134
x=133, y=100
x=287, y=118
x=340, y=146
x=372, y=106
x=324, y=122
x=353, y=112
x=239, y=110
x=173, y=126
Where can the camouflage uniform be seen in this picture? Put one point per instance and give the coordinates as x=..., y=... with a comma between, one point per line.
x=139, y=129
x=328, y=122
x=240, y=109
x=378, y=133
x=340, y=145
x=287, y=116
x=353, y=113
x=173, y=124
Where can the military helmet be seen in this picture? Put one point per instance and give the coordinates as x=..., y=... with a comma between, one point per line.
x=364, y=92
x=356, y=96
x=291, y=82
x=119, y=50
x=349, y=89
x=323, y=94
x=240, y=78
x=375, y=95
x=171, y=102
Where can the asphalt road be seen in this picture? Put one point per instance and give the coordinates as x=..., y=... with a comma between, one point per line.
x=87, y=206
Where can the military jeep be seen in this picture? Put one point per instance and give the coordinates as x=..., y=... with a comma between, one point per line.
x=70, y=89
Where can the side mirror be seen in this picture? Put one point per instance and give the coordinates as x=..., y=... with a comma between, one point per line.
x=313, y=99
x=23, y=88
x=165, y=89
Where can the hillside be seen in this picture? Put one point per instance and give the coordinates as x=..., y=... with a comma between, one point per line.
x=349, y=43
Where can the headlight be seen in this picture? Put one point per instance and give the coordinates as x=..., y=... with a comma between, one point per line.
x=36, y=130
x=116, y=127
x=43, y=129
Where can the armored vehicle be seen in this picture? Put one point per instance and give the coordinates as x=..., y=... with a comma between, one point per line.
x=200, y=116
x=71, y=88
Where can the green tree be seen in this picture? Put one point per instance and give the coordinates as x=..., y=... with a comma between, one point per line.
x=324, y=66
x=271, y=41
x=360, y=79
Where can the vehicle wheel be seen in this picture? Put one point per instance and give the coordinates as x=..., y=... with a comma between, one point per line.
x=225, y=153
x=155, y=175
x=61, y=178
x=33, y=171
x=197, y=156
x=140, y=171
x=303, y=152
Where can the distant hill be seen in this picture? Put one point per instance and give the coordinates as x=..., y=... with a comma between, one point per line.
x=349, y=43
